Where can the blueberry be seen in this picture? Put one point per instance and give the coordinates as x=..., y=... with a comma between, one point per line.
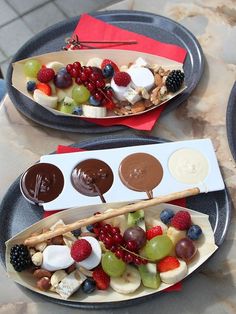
x=31, y=85
x=78, y=111
x=194, y=232
x=93, y=101
x=108, y=71
x=62, y=70
x=166, y=215
x=77, y=233
x=90, y=228
x=89, y=285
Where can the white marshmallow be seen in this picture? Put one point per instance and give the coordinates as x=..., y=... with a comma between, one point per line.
x=56, y=257
x=95, y=257
x=141, y=77
x=131, y=95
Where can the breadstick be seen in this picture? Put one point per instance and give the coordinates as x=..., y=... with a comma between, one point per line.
x=110, y=214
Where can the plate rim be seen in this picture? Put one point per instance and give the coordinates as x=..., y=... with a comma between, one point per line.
x=119, y=304
x=231, y=108
x=89, y=126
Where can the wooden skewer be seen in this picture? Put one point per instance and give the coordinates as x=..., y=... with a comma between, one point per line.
x=110, y=214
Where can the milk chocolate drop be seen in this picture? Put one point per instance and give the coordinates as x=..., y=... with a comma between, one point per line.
x=92, y=177
x=42, y=183
x=141, y=172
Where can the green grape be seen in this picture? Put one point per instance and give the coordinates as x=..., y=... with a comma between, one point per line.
x=80, y=94
x=158, y=247
x=31, y=68
x=113, y=266
x=67, y=105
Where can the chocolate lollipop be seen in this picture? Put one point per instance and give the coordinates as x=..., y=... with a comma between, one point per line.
x=92, y=177
x=141, y=172
x=42, y=183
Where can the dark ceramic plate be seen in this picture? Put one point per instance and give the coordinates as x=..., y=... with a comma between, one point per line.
x=52, y=39
x=17, y=214
x=230, y=121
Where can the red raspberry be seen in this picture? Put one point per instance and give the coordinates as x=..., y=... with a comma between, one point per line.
x=181, y=220
x=107, y=61
x=153, y=232
x=45, y=88
x=45, y=75
x=167, y=263
x=101, y=278
x=80, y=250
x=122, y=78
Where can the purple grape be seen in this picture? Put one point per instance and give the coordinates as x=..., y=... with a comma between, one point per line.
x=135, y=234
x=185, y=249
x=63, y=80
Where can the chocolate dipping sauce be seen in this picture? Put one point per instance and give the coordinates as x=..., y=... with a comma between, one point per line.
x=141, y=172
x=92, y=177
x=42, y=183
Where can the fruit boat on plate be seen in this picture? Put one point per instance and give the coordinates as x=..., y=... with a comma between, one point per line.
x=113, y=257
x=98, y=83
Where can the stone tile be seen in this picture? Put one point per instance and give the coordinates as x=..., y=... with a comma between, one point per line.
x=76, y=7
x=43, y=17
x=6, y=13
x=2, y=56
x=24, y=6
x=13, y=36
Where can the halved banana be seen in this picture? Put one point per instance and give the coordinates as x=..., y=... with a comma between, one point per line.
x=94, y=62
x=55, y=65
x=45, y=100
x=173, y=276
x=175, y=235
x=94, y=112
x=128, y=282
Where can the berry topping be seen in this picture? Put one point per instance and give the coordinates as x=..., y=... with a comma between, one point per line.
x=108, y=71
x=78, y=111
x=63, y=80
x=174, y=80
x=31, y=85
x=76, y=232
x=122, y=78
x=153, y=232
x=89, y=285
x=45, y=75
x=166, y=215
x=94, y=101
x=80, y=250
x=181, y=220
x=168, y=263
x=101, y=278
x=194, y=232
x=20, y=258
x=45, y=88
x=106, y=62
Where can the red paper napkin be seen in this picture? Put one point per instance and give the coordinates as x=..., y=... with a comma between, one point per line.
x=90, y=28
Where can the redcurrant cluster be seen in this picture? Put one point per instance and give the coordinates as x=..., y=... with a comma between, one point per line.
x=93, y=79
x=114, y=241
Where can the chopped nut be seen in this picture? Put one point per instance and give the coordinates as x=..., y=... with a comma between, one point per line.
x=138, y=107
x=155, y=96
x=37, y=259
x=57, y=277
x=71, y=268
x=163, y=90
x=58, y=240
x=40, y=273
x=147, y=103
x=32, y=251
x=158, y=79
x=43, y=283
x=41, y=246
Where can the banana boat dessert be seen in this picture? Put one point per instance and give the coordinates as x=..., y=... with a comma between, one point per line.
x=128, y=256
x=100, y=86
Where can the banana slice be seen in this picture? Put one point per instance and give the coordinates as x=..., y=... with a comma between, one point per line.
x=173, y=276
x=94, y=62
x=55, y=65
x=128, y=282
x=45, y=100
x=94, y=112
x=175, y=235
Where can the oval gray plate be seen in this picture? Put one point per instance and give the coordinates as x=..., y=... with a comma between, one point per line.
x=52, y=39
x=17, y=214
x=231, y=121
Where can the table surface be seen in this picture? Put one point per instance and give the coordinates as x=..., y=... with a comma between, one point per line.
x=22, y=142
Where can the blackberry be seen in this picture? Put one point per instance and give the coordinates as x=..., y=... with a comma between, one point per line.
x=20, y=258
x=174, y=81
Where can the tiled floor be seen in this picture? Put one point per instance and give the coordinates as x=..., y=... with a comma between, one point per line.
x=22, y=19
